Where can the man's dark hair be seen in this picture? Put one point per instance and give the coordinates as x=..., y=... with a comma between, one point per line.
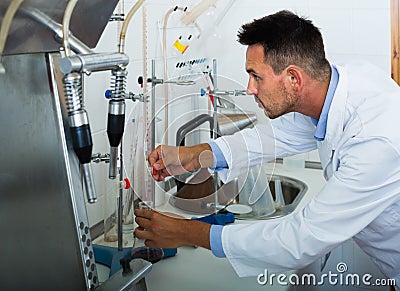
x=288, y=40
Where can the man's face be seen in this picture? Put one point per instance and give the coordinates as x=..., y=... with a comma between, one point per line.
x=267, y=88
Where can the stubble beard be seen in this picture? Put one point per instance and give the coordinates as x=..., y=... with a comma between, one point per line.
x=276, y=110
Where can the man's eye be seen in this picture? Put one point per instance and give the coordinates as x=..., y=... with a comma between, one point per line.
x=257, y=78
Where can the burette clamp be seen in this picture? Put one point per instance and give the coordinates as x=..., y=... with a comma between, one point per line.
x=128, y=96
x=100, y=158
x=117, y=17
x=223, y=93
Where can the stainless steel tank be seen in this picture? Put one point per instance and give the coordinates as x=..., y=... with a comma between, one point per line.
x=45, y=240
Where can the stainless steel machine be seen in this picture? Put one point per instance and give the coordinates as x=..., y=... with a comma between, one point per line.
x=45, y=237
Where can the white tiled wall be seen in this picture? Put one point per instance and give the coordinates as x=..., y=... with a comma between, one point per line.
x=352, y=29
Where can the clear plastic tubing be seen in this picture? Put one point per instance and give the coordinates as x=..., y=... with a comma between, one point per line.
x=199, y=9
x=126, y=23
x=6, y=23
x=164, y=47
x=65, y=26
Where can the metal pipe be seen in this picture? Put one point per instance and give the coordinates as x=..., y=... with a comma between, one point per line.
x=75, y=44
x=153, y=105
x=120, y=200
x=112, y=169
x=151, y=182
x=89, y=183
x=215, y=115
x=93, y=62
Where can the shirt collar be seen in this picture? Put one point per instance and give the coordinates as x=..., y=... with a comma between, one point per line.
x=321, y=123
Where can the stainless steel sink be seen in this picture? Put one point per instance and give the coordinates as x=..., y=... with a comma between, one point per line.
x=293, y=191
x=198, y=198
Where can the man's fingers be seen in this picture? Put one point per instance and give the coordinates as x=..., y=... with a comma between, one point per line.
x=158, y=165
x=160, y=175
x=150, y=243
x=159, y=172
x=143, y=234
x=153, y=158
x=143, y=222
x=158, y=169
x=156, y=157
x=143, y=219
x=145, y=213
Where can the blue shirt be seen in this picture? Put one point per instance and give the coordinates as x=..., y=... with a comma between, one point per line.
x=320, y=131
x=219, y=159
x=216, y=230
x=220, y=162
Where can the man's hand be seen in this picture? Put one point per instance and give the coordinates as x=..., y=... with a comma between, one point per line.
x=170, y=160
x=163, y=231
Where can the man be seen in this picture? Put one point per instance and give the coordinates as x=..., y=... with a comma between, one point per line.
x=349, y=113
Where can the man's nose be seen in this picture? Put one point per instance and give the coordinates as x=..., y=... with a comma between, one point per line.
x=251, y=89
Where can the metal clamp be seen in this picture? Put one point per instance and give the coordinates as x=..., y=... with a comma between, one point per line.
x=100, y=158
x=223, y=93
x=129, y=96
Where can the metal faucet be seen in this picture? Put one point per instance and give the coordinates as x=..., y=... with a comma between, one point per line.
x=192, y=124
x=184, y=130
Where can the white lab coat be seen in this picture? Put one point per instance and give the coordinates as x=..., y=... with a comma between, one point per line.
x=361, y=163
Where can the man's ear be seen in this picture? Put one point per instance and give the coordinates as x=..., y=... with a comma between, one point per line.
x=295, y=77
